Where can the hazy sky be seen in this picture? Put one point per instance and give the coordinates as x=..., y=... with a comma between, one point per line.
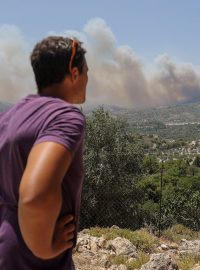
x=140, y=52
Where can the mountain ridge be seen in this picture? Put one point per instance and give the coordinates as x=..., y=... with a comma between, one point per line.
x=182, y=113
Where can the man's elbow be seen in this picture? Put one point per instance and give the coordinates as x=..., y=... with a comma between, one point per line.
x=37, y=236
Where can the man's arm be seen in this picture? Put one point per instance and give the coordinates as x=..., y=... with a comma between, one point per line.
x=40, y=200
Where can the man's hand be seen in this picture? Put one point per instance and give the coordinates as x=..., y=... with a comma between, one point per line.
x=63, y=235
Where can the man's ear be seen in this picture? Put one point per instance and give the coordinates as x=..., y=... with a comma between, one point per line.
x=75, y=73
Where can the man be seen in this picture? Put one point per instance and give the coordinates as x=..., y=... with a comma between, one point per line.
x=41, y=168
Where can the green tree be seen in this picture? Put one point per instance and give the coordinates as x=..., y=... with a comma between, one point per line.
x=113, y=162
x=197, y=161
x=150, y=164
x=180, y=197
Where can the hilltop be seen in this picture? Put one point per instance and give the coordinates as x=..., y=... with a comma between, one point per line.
x=172, y=122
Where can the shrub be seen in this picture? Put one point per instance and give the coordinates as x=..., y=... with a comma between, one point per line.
x=187, y=261
x=135, y=264
x=178, y=232
x=143, y=240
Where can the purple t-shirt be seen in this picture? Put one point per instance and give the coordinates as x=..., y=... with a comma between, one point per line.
x=33, y=120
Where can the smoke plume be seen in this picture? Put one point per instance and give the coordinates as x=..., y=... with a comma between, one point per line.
x=16, y=79
x=116, y=74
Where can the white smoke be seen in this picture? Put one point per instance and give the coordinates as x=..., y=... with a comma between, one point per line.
x=16, y=78
x=174, y=83
x=116, y=74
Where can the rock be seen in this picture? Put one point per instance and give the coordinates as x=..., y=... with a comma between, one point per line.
x=113, y=267
x=81, y=249
x=87, y=254
x=172, y=252
x=115, y=227
x=160, y=261
x=82, y=241
x=104, y=261
x=94, y=246
x=118, y=267
x=94, y=261
x=196, y=267
x=85, y=231
x=173, y=246
x=183, y=240
x=192, y=246
x=164, y=247
x=96, y=251
x=122, y=246
x=130, y=260
x=101, y=242
x=122, y=267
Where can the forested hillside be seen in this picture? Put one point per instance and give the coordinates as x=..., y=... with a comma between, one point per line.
x=134, y=180
x=142, y=168
x=172, y=122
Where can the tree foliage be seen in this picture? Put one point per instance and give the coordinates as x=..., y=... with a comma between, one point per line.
x=180, y=197
x=123, y=184
x=113, y=162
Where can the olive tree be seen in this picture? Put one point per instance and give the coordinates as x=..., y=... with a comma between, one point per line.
x=113, y=161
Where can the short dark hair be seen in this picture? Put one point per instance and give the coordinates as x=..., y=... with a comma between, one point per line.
x=50, y=60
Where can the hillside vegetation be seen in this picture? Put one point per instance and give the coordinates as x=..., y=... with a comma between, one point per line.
x=172, y=122
x=135, y=180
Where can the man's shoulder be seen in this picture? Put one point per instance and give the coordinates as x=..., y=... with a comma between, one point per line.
x=50, y=103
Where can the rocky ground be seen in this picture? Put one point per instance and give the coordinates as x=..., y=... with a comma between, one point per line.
x=94, y=253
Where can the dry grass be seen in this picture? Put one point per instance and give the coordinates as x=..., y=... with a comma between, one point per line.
x=178, y=232
x=135, y=264
x=142, y=239
x=186, y=262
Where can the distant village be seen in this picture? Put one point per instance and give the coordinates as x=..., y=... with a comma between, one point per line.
x=166, y=149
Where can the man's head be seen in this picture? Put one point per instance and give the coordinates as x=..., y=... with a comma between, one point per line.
x=60, y=68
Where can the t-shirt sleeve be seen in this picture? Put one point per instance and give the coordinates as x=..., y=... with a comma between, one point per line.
x=66, y=128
